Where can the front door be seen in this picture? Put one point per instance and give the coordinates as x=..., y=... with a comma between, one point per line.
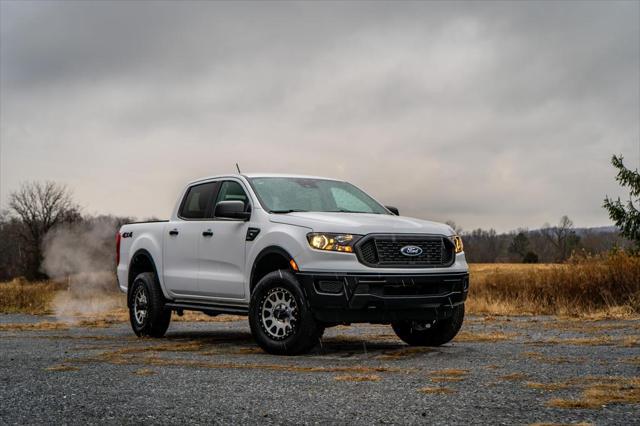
x=181, y=240
x=222, y=248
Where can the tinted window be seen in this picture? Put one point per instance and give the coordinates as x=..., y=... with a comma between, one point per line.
x=283, y=194
x=197, y=201
x=232, y=191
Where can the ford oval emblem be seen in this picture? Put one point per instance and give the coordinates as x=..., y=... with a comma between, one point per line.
x=411, y=251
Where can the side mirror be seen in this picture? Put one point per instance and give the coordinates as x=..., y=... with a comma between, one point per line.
x=231, y=210
x=393, y=210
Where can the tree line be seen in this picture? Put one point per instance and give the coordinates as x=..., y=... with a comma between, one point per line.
x=549, y=244
x=37, y=209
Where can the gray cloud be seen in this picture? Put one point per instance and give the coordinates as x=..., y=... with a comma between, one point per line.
x=492, y=114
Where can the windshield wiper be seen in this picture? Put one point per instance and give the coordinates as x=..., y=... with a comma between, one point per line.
x=289, y=211
x=349, y=211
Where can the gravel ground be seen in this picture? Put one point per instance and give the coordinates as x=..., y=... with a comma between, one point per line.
x=212, y=372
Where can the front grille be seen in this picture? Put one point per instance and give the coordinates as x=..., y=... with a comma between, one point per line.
x=386, y=251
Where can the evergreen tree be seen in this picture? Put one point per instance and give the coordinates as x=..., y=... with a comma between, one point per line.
x=626, y=216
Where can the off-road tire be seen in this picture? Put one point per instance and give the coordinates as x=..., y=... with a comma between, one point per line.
x=304, y=331
x=441, y=331
x=157, y=319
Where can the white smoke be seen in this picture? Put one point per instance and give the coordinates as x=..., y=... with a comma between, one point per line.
x=83, y=255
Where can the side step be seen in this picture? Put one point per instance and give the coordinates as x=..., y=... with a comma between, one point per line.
x=209, y=309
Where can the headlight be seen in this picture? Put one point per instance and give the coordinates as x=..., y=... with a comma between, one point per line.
x=457, y=243
x=333, y=242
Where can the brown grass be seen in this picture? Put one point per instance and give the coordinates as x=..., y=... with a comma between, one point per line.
x=358, y=378
x=446, y=379
x=514, y=377
x=600, y=286
x=547, y=386
x=436, y=390
x=144, y=372
x=634, y=360
x=455, y=372
x=402, y=353
x=34, y=326
x=62, y=367
x=603, y=340
x=20, y=296
x=613, y=390
x=147, y=355
x=553, y=359
x=472, y=337
x=589, y=287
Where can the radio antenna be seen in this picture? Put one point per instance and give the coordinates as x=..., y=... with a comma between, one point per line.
x=238, y=167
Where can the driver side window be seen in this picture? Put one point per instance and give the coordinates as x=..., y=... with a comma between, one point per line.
x=232, y=191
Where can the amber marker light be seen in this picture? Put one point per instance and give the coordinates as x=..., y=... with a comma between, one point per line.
x=294, y=265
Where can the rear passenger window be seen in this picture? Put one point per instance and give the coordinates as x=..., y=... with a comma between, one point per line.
x=232, y=191
x=197, y=201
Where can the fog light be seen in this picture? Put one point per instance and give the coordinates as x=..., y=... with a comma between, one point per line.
x=333, y=287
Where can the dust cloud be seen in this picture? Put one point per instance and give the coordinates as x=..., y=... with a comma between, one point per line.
x=83, y=256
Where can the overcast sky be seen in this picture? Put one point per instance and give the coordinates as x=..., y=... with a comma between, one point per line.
x=499, y=115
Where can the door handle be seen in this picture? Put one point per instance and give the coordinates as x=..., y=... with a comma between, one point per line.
x=207, y=233
x=174, y=232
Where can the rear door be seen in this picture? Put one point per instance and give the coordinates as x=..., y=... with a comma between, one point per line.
x=222, y=248
x=181, y=261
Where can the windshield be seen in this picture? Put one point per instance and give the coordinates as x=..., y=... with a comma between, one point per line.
x=285, y=195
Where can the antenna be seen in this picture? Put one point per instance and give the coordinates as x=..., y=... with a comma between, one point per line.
x=238, y=167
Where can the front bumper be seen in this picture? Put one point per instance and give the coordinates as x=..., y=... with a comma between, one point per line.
x=383, y=298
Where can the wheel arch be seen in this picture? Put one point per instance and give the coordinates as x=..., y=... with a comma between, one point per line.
x=271, y=258
x=142, y=261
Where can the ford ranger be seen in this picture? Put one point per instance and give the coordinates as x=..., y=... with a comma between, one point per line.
x=296, y=254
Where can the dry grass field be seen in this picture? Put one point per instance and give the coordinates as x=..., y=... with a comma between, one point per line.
x=585, y=287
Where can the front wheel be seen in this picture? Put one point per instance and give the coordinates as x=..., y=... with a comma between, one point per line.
x=146, y=307
x=280, y=320
x=434, y=333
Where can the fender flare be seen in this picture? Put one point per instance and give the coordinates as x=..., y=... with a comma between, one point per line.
x=265, y=252
x=144, y=253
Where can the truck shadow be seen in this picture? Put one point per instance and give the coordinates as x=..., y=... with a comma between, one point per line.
x=338, y=346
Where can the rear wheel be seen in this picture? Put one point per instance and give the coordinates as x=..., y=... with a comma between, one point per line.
x=146, y=307
x=430, y=333
x=280, y=320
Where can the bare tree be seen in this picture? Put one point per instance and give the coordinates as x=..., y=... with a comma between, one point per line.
x=562, y=237
x=457, y=229
x=41, y=206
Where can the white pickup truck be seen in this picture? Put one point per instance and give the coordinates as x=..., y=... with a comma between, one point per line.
x=296, y=254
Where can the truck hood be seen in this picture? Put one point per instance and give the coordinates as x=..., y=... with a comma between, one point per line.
x=361, y=223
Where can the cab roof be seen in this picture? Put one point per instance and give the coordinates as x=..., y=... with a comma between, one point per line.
x=259, y=175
